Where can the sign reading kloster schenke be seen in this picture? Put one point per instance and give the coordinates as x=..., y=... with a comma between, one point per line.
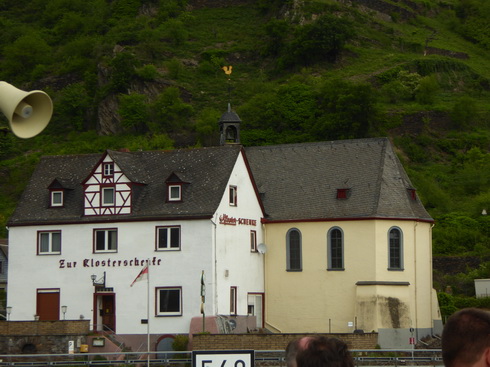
x=232, y=221
x=108, y=263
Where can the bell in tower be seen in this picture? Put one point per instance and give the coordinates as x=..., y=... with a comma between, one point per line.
x=229, y=127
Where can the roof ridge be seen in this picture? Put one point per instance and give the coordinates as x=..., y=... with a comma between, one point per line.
x=322, y=143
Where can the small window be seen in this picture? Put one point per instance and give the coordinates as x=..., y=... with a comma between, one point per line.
x=293, y=250
x=233, y=299
x=105, y=240
x=49, y=243
x=335, y=254
x=108, y=169
x=56, y=198
x=395, y=261
x=108, y=196
x=233, y=195
x=174, y=193
x=169, y=301
x=168, y=238
x=253, y=241
x=412, y=193
x=342, y=193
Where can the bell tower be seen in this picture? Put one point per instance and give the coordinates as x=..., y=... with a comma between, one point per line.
x=229, y=127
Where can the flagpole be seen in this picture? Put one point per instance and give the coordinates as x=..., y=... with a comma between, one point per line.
x=148, y=311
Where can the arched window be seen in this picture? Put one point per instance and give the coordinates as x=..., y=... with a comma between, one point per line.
x=335, y=249
x=293, y=250
x=395, y=251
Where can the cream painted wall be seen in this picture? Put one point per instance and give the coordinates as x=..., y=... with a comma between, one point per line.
x=321, y=300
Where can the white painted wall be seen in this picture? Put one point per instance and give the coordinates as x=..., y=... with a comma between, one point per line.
x=29, y=272
x=212, y=247
x=236, y=265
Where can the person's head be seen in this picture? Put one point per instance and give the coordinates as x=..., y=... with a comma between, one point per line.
x=318, y=352
x=293, y=348
x=466, y=339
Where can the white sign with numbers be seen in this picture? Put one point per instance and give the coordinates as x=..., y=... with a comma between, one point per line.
x=223, y=358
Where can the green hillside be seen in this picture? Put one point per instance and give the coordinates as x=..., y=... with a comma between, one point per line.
x=147, y=74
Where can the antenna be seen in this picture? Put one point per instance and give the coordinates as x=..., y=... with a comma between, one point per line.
x=262, y=248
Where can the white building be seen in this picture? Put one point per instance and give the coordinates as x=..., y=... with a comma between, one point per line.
x=348, y=240
x=104, y=216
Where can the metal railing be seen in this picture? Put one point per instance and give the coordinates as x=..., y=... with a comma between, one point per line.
x=263, y=358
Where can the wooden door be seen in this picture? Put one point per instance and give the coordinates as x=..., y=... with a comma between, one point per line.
x=48, y=305
x=108, y=313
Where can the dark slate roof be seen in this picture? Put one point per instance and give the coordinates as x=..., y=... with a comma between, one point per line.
x=205, y=170
x=229, y=116
x=300, y=181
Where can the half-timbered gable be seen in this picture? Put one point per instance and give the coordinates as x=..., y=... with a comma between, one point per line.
x=107, y=190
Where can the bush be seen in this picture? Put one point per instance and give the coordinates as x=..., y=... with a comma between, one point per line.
x=446, y=304
x=464, y=113
x=426, y=90
x=148, y=72
x=180, y=343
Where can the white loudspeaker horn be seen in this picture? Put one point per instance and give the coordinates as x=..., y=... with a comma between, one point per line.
x=28, y=112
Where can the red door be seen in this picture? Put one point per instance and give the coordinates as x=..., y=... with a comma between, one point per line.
x=108, y=314
x=48, y=305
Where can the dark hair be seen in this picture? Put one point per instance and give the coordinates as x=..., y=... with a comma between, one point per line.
x=325, y=352
x=291, y=352
x=465, y=337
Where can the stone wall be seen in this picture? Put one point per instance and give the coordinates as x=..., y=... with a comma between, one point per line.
x=42, y=337
x=272, y=341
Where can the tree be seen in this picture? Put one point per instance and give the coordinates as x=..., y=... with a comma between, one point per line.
x=276, y=31
x=73, y=106
x=348, y=110
x=207, y=127
x=134, y=112
x=410, y=82
x=25, y=54
x=169, y=112
x=123, y=70
x=322, y=40
x=290, y=107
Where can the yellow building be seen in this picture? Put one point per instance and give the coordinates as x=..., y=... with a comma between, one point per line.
x=348, y=242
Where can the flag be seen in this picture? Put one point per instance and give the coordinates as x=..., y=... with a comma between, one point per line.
x=142, y=275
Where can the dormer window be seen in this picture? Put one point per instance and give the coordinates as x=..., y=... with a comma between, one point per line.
x=108, y=169
x=175, y=188
x=56, y=198
x=412, y=194
x=57, y=189
x=342, y=193
x=174, y=193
